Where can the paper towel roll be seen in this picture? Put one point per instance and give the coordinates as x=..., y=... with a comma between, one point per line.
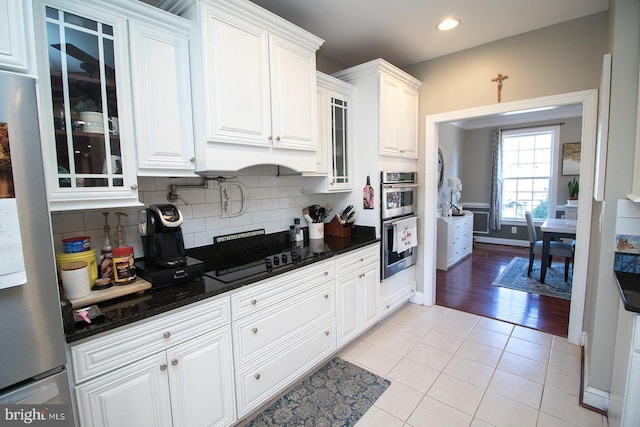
x=75, y=279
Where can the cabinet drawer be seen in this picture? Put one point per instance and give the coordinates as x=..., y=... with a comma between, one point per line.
x=258, y=383
x=257, y=334
x=269, y=292
x=358, y=258
x=128, y=344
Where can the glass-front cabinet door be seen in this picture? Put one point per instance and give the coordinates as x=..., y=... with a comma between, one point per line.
x=340, y=159
x=83, y=142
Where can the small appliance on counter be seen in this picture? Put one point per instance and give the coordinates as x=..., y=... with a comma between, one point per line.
x=162, y=242
x=165, y=260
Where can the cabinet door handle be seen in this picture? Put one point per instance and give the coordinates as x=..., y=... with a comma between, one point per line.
x=326, y=273
x=167, y=335
x=270, y=138
x=326, y=333
x=192, y=160
x=254, y=302
x=361, y=259
x=163, y=367
x=278, y=139
x=326, y=296
x=174, y=362
x=254, y=330
x=134, y=186
x=257, y=376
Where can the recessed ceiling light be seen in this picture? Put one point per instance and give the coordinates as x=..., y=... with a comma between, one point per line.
x=448, y=24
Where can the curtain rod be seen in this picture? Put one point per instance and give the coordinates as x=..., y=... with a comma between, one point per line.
x=534, y=126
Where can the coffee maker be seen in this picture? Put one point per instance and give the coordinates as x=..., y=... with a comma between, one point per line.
x=162, y=240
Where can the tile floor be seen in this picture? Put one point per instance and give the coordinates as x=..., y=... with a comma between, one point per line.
x=449, y=368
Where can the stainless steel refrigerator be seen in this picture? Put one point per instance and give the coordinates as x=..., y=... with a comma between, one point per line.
x=32, y=345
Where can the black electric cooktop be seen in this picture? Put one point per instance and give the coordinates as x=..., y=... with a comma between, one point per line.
x=255, y=256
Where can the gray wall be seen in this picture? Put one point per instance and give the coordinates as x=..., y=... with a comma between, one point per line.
x=559, y=59
x=601, y=313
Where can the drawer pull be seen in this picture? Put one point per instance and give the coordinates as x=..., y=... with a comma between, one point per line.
x=326, y=333
x=174, y=362
x=254, y=330
x=163, y=367
x=326, y=273
x=257, y=376
x=254, y=302
x=167, y=335
x=361, y=259
x=326, y=296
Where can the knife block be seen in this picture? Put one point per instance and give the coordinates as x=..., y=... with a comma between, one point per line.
x=334, y=229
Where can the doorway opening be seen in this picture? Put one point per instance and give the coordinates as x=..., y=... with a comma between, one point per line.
x=427, y=263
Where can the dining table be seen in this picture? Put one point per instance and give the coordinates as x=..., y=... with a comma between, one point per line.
x=554, y=228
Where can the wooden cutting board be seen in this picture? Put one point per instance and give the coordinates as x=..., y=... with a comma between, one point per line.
x=139, y=285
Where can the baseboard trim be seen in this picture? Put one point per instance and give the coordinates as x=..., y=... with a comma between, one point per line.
x=591, y=398
x=500, y=241
x=417, y=298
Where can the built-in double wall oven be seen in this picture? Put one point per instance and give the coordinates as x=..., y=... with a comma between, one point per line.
x=398, y=191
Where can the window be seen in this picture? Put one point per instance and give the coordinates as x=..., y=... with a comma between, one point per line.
x=528, y=172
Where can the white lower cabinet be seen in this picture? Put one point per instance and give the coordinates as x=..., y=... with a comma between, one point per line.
x=282, y=328
x=189, y=382
x=202, y=364
x=358, y=292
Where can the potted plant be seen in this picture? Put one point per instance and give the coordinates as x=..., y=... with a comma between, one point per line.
x=574, y=188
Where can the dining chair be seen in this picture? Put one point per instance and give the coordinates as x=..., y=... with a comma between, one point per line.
x=556, y=248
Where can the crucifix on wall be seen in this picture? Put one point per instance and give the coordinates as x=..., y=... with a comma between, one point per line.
x=498, y=79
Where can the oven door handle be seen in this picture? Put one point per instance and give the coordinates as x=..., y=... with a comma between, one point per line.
x=393, y=223
x=399, y=185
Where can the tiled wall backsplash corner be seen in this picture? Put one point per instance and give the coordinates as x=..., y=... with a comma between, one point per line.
x=274, y=202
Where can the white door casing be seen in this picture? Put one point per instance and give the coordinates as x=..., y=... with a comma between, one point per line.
x=589, y=101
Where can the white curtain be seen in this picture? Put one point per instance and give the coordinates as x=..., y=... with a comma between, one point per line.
x=496, y=180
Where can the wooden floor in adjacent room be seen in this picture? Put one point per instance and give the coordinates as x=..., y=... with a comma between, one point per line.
x=467, y=287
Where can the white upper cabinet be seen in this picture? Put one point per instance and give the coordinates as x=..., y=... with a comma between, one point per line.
x=15, y=35
x=115, y=99
x=398, y=118
x=334, y=158
x=86, y=119
x=254, y=88
x=389, y=99
x=162, y=97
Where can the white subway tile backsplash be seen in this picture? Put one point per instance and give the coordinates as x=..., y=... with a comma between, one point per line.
x=67, y=222
x=274, y=202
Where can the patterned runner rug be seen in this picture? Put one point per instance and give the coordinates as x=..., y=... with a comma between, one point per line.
x=514, y=276
x=337, y=394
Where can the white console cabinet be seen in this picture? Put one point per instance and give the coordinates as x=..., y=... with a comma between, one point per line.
x=455, y=239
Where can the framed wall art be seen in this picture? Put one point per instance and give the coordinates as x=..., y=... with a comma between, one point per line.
x=571, y=158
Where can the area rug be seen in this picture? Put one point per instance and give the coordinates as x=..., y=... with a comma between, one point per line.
x=514, y=276
x=337, y=394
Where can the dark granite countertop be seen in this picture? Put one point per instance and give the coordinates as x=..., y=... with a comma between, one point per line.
x=629, y=287
x=132, y=308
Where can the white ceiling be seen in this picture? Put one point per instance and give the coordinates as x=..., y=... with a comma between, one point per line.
x=403, y=31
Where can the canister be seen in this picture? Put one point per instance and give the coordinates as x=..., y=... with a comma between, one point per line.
x=75, y=279
x=124, y=269
x=87, y=256
x=74, y=245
